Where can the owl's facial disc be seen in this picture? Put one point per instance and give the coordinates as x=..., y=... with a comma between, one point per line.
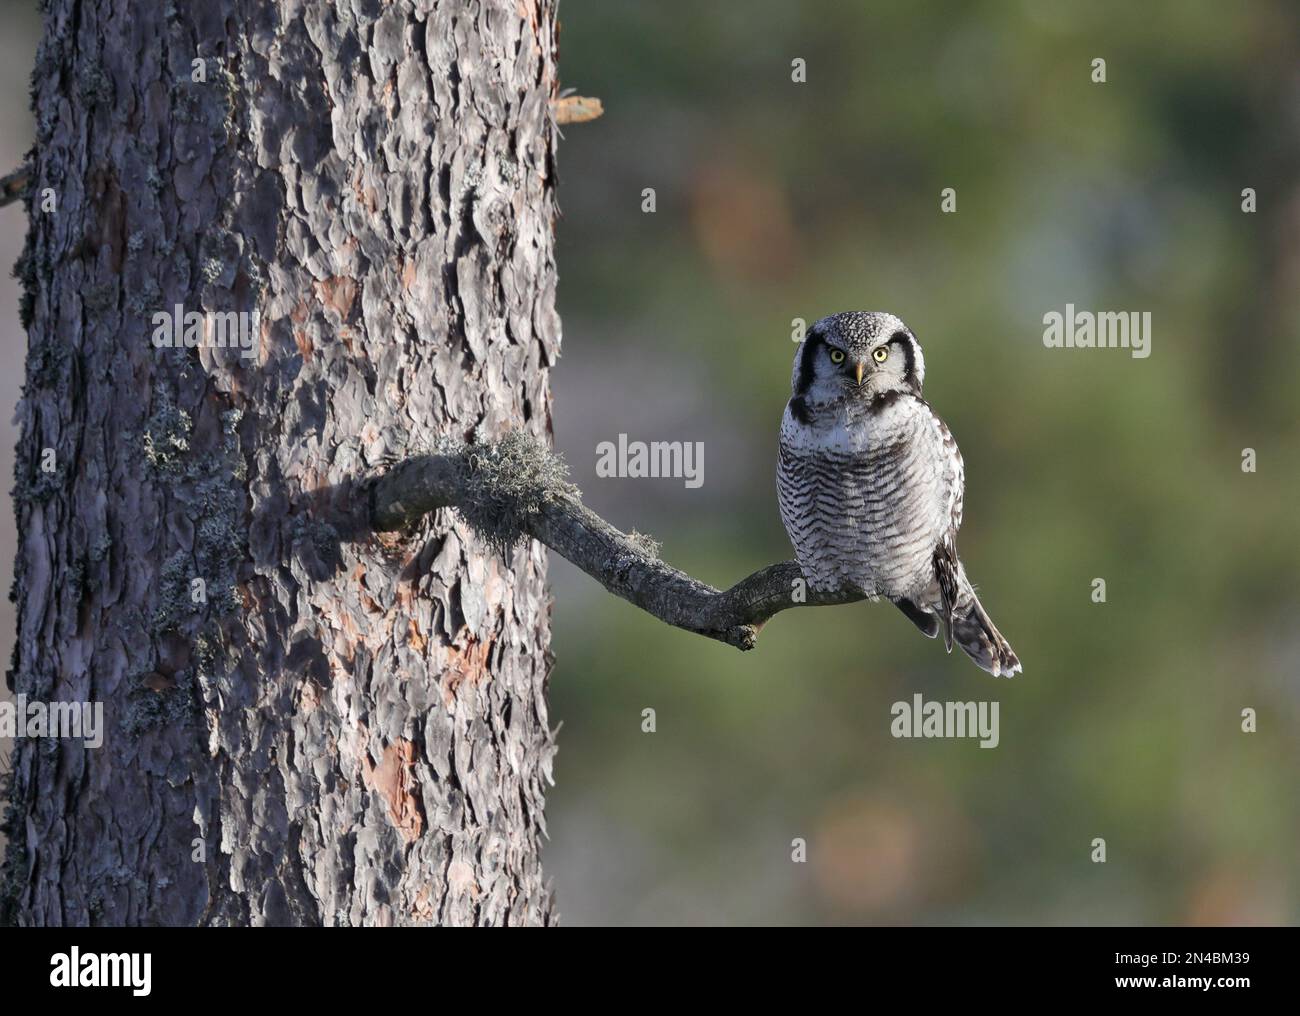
x=853, y=358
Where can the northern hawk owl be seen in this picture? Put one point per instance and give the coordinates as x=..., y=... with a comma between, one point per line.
x=870, y=482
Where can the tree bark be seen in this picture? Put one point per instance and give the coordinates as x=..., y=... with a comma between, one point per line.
x=345, y=728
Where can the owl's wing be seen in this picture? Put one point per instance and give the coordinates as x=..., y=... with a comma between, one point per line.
x=945, y=572
x=947, y=568
x=954, y=474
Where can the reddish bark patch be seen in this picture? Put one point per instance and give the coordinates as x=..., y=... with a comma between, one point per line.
x=460, y=665
x=394, y=780
x=338, y=294
x=298, y=316
x=157, y=682
x=415, y=638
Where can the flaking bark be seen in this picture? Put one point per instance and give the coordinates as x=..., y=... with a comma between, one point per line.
x=346, y=730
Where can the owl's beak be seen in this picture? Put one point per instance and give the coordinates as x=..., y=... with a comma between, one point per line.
x=860, y=367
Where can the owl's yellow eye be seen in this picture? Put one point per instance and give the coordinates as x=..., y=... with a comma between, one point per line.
x=880, y=355
x=837, y=356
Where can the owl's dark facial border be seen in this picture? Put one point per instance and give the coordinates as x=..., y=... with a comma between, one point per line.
x=814, y=342
x=906, y=345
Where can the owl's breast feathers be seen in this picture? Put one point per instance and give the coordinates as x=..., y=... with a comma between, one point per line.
x=868, y=492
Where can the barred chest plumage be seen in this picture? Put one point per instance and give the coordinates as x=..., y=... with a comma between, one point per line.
x=866, y=493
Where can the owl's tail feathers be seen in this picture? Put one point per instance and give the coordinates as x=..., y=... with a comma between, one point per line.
x=980, y=639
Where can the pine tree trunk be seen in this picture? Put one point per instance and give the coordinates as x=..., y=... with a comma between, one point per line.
x=305, y=723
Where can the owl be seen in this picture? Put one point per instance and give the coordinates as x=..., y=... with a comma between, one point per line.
x=870, y=482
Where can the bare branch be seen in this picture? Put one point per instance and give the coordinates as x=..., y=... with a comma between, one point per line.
x=576, y=108
x=12, y=185
x=516, y=488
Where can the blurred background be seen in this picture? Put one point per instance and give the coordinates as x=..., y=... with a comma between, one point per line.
x=778, y=200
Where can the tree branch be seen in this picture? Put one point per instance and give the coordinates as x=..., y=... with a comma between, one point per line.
x=516, y=488
x=12, y=185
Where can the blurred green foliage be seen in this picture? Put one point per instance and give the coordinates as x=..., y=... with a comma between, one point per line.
x=778, y=200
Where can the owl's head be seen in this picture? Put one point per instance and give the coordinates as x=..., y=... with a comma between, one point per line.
x=857, y=355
